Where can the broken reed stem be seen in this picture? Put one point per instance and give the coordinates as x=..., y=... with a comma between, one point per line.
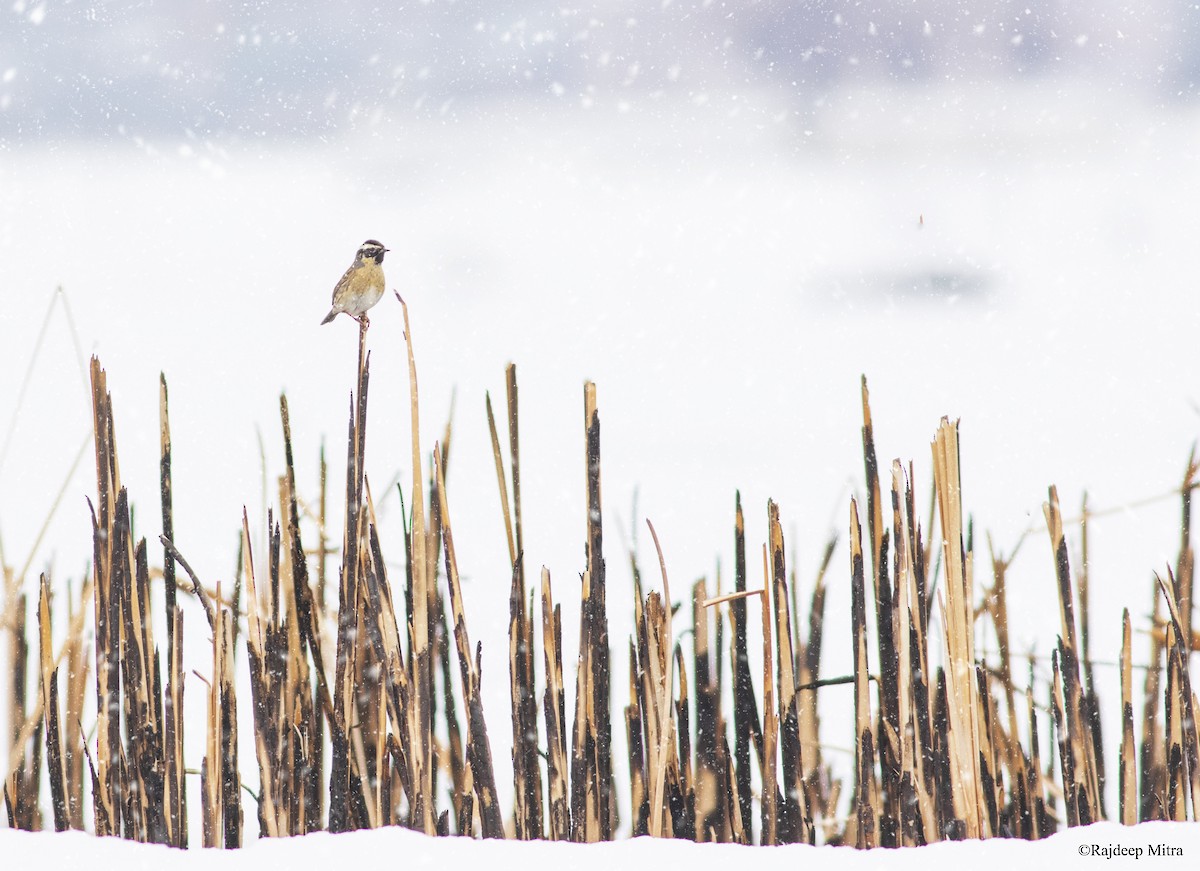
x=592, y=803
x=174, y=786
x=554, y=709
x=420, y=725
x=963, y=699
x=660, y=688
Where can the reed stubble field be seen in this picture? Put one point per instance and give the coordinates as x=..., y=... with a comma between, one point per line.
x=365, y=697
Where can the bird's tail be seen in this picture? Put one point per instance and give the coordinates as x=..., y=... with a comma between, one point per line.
x=333, y=313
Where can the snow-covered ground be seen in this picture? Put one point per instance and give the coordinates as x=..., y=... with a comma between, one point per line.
x=1102, y=845
x=724, y=267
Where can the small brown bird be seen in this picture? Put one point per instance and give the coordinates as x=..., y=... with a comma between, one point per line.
x=362, y=285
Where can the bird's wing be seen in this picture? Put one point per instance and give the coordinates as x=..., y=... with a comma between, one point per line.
x=343, y=282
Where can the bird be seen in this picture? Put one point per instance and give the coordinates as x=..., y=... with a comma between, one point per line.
x=362, y=285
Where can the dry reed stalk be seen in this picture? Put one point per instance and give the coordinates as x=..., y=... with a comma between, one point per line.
x=141, y=688
x=554, y=708
x=917, y=825
x=220, y=781
x=592, y=807
x=1091, y=701
x=308, y=636
x=1183, y=751
x=1185, y=563
x=1086, y=802
x=770, y=797
x=479, y=753
x=1019, y=818
x=963, y=699
x=394, y=690
x=682, y=796
x=747, y=727
x=770, y=780
x=657, y=714
x=48, y=685
x=1128, y=761
x=269, y=745
x=710, y=810
x=886, y=736
x=78, y=670
x=527, y=783
x=462, y=781
x=344, y=775
x=865, y=822
x=107, y=797
x=23, y=783
x=1152, y=754
x=423, y=811
x=795, y=825
x=808, y=674
x=175, y=792
x=1071, y=789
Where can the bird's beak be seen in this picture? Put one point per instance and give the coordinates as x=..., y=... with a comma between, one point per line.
x=386, y=250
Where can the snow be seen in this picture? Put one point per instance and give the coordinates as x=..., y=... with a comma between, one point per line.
x=367, y=849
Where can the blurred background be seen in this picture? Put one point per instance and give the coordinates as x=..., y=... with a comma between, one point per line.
x=723, y=213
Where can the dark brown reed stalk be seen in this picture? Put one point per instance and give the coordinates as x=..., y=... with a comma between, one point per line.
x=795, y=821
x=916, y=824
x=635, y=731
x=307, y=625
x=682, y=795
x=1042, y=821
x=174, y=791
x=221, y=783
x=553, y=706
x=267, y=692
x=107, y=798
x=770, y=795
x=1090, y=700
x=889, y=809
x=462, y=797
x=1066, y=755
x=343, y=779
x=592, y=807
x=1078, y=723
x=1128, y=760
x=383, y=637
x=746, y=725
x=423, y=810
x=141, y=689
x=1183, y=751
x=48, y=685
x=866, y=789
x=1152, y=754
x=527, y=782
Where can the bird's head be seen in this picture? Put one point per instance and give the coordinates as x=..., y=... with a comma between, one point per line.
x=372, y=250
